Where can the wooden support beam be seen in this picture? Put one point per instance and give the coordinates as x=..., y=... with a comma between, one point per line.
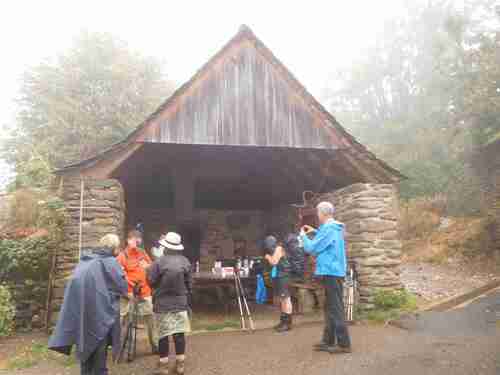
x=183, y=179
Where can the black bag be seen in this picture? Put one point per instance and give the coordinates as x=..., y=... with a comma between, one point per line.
x=295, y=255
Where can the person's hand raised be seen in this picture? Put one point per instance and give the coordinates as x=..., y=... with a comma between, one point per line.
x=307, y=229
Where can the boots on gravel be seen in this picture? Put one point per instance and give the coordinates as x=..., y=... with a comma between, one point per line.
x=287, y=323
x=162, y=368
x=280, y=325
x=179, y=364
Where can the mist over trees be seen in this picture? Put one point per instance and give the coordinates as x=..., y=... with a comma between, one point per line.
x=427, y=95
x=90, y=97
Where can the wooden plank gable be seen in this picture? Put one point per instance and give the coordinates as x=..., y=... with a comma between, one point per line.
x=242, y=101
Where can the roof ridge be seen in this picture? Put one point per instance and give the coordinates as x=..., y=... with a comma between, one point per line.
x=245, y=32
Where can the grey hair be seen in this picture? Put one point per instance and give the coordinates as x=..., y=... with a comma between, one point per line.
x=326, y=208
x=110, y=241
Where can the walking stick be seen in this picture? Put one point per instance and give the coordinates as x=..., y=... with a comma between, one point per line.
x=243, y=293
x=238, y=295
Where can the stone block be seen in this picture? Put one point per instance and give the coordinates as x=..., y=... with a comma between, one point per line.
x=390, y=235
x=356, y=215
x=389, y=244
x=377, y=225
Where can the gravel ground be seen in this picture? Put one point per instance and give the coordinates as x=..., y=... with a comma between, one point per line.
x=462, y=341
x=437, y=281
x=461, y=348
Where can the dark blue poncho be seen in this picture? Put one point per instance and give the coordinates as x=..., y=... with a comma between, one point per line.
x=91, y=306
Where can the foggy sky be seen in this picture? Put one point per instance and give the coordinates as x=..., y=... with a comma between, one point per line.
x=311, y=38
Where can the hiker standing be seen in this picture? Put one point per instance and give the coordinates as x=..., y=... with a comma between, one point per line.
x=90, y=314
x=280, y=276
x=328, y=248
x=134, y=262
x=170, y=277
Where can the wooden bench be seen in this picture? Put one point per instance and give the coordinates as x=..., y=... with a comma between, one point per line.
x=306, y=297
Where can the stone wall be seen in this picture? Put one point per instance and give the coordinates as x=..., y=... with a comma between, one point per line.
x=370, y=213
x=225, y=229
x=221, y=230
x=103, y=213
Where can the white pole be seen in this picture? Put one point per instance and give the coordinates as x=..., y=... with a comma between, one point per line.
x=82, y=186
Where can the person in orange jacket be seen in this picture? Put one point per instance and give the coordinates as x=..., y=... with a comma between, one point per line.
x=135, y=262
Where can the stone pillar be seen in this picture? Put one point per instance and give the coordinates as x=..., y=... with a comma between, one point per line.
x=370, y=213
x=103, y=213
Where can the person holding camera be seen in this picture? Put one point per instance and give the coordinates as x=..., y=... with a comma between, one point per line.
x=276, y=256
x=90, y=314
x=170, y=277
x=327, y=246
x=135, y=262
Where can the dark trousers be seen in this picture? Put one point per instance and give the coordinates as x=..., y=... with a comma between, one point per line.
x=96, y=363
x=335, y=332
x=179, y=342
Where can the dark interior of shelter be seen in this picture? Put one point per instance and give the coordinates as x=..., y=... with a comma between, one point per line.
x=175, y=187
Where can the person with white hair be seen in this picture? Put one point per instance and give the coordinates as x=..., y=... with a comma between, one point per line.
x=328, y=247
x=90, y=315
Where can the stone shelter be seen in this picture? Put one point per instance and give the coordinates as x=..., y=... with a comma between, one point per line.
x=222, y=160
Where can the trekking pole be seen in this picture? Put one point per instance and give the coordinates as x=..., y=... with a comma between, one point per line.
x=127, y=340
x=133, y=344
x=252, y=326
x=238, y=295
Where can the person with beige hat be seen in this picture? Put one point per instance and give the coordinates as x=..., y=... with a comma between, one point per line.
x=170, y=278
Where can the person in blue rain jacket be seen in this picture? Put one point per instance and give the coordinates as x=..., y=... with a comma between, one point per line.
x=327, y=245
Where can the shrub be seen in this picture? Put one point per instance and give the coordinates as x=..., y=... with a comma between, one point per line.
x=25, y=259
x=391, y=300
x=7, y=312
x=421, y=216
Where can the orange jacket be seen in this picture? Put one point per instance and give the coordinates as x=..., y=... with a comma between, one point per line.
x=130, y=260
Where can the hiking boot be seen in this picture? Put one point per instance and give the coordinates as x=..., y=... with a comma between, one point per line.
x=179, y=365
x=162, y=369
x=279, y=326
x=324, y=347
x=333, y=349
x=342, y=350
x=287, y=323
x=321, y=344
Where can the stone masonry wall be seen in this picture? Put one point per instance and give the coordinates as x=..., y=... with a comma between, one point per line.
x=103, y=213
x=370, y=213
x=220, y=230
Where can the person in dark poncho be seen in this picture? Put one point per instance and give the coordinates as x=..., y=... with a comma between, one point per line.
x=90, y=314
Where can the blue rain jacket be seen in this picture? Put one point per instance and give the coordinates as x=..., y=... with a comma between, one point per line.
x=91, y=306
x=329, y=249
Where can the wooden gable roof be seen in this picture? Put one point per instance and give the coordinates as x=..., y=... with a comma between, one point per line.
x=244, y=96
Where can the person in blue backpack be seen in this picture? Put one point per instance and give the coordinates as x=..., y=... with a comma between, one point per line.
x=327, y=246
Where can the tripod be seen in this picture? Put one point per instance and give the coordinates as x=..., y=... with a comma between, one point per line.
x=242, y=301
x=130, y=341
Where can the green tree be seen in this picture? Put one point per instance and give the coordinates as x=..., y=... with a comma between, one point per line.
x=87, y=99
x=414, y=91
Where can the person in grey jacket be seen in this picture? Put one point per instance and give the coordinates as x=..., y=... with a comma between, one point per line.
x=170, y=278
